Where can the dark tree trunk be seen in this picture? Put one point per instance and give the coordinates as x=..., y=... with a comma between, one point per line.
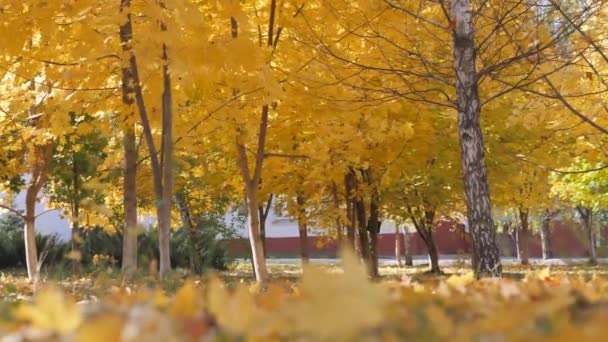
x=181, y=201
x=339, y=230
x=424, y=225
x=433, y=254
x=362, y=225
x=545, y=235
x=479, y=208
x=587, y=218
x=303, y=232
x=373, y=225
x=263, y=212
x=523, y=237
x=350, y=208
x=407, y=246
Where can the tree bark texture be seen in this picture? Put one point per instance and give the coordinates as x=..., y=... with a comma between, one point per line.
x=524, y=237
x=41, y=158
x=545, y=234
x=423, y=220
x=479, y=208
x=163, y=204
x=252, y=182
x=129, y=235
x=264, y=210
x=76, y=234
x=587, y=218
x=398, y=245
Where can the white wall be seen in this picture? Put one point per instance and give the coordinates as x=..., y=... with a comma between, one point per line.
x=48, y=223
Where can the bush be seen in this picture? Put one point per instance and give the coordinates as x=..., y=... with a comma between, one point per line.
x=12, y=246
x=210, y=249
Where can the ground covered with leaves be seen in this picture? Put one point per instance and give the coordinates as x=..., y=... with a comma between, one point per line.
x=332, y=303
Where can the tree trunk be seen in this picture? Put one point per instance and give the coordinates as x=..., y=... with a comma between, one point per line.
x=257, y=248
x=163, y=204
x=545, y=235
x=339, y=232
x=433, y=254
x=164, y=228
x=398, y=244
x=424, y=224
x=76, y=234
x=373, y=225
x=350, y=209
x=587, y=218
x=363, y=236
x=302, y=229
x=479, y=208
x=524, y=234
x=262, y=230
x=407, y=244
x=31, y=254
x=252, y=182
x=129, y=234
x=374, y=230
x=263, y=212
x=515, y=237
x=181, y=201
x=40, y=160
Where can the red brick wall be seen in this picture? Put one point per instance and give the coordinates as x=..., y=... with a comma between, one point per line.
x=450, y=238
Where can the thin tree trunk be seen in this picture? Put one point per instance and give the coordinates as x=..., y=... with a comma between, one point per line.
x=398, y=244
x=407, y=244
x=587, y=218
x=264, y=210
x=251, y=188
x=129, y=234
x=373, y=225
x=350, y=209
x=262, y=230
x=31, y=254
x=545, y=235
x=76, y=235
x=164, y=229
x=363, y=236
x=424, y=227
x=41, y=158
x=479, y=207
x=339, y=231
x=162, y=207
x=515, y=236
x=303, y=230
x=181, y=202
x=524, y=234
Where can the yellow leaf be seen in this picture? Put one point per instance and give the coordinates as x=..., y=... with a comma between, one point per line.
x=460, y=281
x=51, y=310
x=101, y=329
x=186, y=302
